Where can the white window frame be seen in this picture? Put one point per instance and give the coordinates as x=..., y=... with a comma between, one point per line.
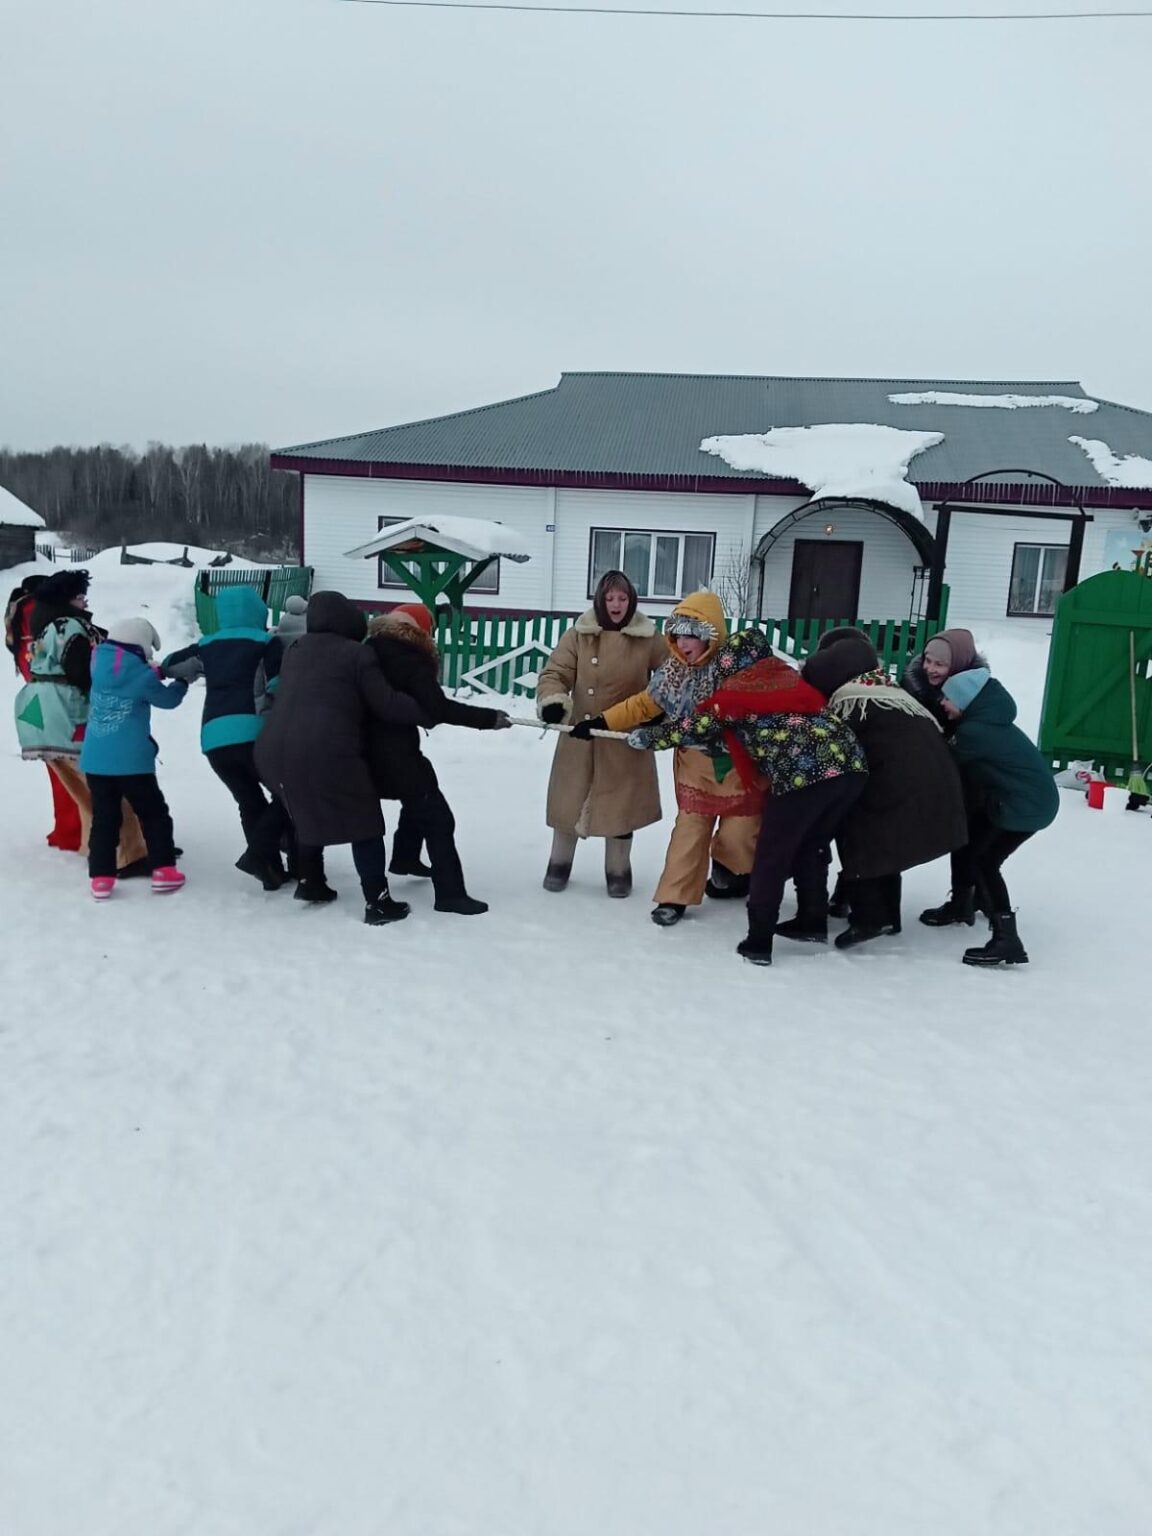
x=488, y=584
x=679, y=534
x=1035, y=611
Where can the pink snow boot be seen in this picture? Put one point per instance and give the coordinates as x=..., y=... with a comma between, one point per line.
x=166, y=879
x=103, y=886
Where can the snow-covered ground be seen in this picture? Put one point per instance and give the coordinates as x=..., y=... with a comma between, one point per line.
x=551, y=1223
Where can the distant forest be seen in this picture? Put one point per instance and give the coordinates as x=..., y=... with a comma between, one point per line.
x=224, y=498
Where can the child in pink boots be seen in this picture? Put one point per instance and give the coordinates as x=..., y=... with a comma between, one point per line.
x=119, y=756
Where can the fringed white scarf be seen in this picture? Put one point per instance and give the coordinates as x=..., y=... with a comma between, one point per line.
x=875, y=688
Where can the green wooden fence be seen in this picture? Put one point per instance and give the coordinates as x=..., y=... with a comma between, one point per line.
x=275, y=585
x=506, y=653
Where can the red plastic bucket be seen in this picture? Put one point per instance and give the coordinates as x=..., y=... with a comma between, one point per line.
x=1096, y=788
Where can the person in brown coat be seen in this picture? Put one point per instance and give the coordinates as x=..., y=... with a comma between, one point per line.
x=599, y=788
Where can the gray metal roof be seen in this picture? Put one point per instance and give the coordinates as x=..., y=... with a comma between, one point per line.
x=652, y=424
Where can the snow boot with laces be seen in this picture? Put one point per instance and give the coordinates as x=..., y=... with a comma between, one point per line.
x=1003, y=948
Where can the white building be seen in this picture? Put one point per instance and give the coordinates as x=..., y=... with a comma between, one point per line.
x=862, y=514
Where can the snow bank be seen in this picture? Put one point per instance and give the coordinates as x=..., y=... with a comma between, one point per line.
x=996, y=402
x=476, y=538
x=837, y=459
x=1130, y=470
x=14, y=514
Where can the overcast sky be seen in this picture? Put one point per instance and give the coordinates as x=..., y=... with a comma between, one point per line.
x=280, y=220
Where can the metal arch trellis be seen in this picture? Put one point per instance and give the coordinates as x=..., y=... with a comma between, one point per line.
x=914, y=531
x=1063, y=495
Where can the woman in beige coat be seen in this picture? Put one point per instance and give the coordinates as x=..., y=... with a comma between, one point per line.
x=600, y=788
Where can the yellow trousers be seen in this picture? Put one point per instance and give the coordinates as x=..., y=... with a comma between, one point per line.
x=695, y=840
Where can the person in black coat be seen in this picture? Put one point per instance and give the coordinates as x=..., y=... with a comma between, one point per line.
x=403, y=644
x=312, y=754
x=912, y=808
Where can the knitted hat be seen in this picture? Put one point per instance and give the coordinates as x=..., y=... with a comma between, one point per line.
x=831, y=666
x=952, y=648
x=417, y=614
x=293, y=621
x=136, y=632
x=962, y=687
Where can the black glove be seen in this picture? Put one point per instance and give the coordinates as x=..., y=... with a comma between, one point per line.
x=583, y=731
x=552, y=714
x=503, y=721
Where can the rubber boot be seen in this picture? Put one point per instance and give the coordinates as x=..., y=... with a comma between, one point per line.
x=618, y=865
x=560, y=861
x=757, y=947
x=1003, y=948
x=959, y=908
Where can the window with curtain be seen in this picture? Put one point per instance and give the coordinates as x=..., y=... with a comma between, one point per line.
x=659, y=565
x=386, y=578
x=1037, y=580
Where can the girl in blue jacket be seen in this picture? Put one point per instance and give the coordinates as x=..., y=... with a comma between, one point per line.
x=119, y=756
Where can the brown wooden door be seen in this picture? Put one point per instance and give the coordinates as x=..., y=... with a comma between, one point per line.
x=825, y=579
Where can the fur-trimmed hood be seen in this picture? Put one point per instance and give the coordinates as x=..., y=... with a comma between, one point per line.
x=639, y=627
x=406, y=634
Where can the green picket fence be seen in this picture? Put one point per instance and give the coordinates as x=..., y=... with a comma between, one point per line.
x=507, y=652
x=275, y=584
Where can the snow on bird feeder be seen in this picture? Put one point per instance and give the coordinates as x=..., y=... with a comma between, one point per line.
x=441, y=557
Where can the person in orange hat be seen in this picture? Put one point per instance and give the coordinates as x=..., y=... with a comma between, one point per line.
x=403, y=642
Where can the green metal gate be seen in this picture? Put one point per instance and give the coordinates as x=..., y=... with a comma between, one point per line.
x=1101, y=650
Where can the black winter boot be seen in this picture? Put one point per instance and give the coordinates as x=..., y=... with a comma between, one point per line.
x=667, y=914
x=1003, y=948
x=959, y=908
x=384, y=910
x=416, y=867
x=757, y=947
x=463, y=905
x=809, y=926
x=270, y=875
x=314, y=890
x=725, y=885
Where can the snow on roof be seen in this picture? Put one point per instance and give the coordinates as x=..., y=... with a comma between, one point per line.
x=1130, y=470
x=836, y=459
x=476, y=538
x=14, y=514
x=999, y=402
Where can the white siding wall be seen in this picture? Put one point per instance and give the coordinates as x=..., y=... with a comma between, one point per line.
x=341, y=512
x=980, y=553
x=730, y=518
x=886, y=570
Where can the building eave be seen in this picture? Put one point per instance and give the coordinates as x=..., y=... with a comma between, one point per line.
x=1118, y=498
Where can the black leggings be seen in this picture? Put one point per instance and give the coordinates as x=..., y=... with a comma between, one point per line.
x=143, y=794
x=795, y=830
x=978, y=864
x=264, y=821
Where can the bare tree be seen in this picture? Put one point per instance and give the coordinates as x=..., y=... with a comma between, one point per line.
x=733, y=583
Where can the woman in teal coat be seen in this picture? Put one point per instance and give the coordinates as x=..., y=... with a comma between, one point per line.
x=1011, y=795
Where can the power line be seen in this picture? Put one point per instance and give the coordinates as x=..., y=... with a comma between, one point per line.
x=628, y=10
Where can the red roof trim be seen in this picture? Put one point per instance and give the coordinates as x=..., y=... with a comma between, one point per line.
x=1033, y=493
